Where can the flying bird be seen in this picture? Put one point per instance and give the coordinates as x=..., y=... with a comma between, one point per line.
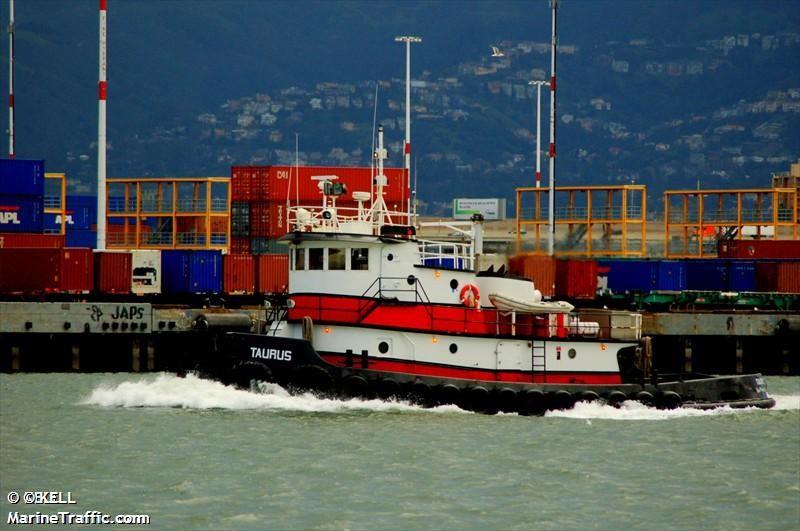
x=496, y=52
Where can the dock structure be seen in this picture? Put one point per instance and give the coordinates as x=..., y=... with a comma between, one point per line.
x=135, y=336
x=124, y=336
x=730, y=342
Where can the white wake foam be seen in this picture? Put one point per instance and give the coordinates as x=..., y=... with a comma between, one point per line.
x=191, y=392
x=631, y=410
x=787, y=402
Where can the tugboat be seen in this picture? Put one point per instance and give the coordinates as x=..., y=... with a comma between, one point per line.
x=374, y=311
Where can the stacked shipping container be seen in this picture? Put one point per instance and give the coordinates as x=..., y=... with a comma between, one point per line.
x=259, y=195
x=21, y=196
x=43, y=270
x=259, y=217
x=759, y=249
x=540, y=269
x=80, y=221
x=191, y=271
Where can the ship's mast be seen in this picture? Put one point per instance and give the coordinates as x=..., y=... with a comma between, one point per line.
x=378, y=203
x=552, y=192
x=101, y=133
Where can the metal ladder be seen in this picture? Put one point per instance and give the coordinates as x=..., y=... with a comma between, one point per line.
x=538, y=356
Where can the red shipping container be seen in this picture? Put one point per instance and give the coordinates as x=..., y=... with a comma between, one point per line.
x=766, y=276
x=240, y=245
x=77, y=270
x=30, y=270
x=268, y=219
x=275, y=183
x=113, y=272
x=540, y=269
x=239, y=273
x=27, y=240
x=750, y=249
x=788, y=277
x=576, y=279
x=273, y=273
x=241, y=183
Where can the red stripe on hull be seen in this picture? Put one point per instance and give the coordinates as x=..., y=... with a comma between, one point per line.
x=433, y=318
x=462, y=373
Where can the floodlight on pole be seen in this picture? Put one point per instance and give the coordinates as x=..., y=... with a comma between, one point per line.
x=539, y=85
x=408, y=39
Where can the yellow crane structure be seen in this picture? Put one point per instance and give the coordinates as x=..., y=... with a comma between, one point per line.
x=168, y=213
x=57, y=204
x=598, y=220
x=695, y=220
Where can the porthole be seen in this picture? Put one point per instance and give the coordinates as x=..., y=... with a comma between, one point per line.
x=453, y=348
x=390, y=257
x=453, y=284
x=411, y=279
x=572, y=353
x=383, y=347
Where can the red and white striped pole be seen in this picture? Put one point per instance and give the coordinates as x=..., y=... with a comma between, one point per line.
x=552, y=192
x=538, y=129
x=101, y=134
x=11, y=79
x=407, y=147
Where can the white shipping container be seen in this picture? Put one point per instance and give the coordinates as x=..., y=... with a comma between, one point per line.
x=490, y=208
x=145, y=272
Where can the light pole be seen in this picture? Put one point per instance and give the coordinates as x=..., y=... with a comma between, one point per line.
x=551, y=199
x=101, y=131
x=11, y=30
x=539, y=85
x=408, y=39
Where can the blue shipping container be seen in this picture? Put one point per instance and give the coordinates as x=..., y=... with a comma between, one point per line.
x=630, y=275
x=206, y=272
x=742, y=275
x=81, y=238
x=645, y=275
x=191, y=271
x=175, y=271
x=707, y=275
x=22, y=177
x=21, y=214
x=81, y=214
x=670, y=275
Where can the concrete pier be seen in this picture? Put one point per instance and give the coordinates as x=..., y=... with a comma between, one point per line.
x=137, y=337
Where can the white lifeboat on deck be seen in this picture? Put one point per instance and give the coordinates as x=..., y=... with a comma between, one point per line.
x=507, y=303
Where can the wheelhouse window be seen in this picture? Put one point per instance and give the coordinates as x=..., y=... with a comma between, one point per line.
x=299, y=258
x=316, y=258
x=336, y=259
x=359, y=259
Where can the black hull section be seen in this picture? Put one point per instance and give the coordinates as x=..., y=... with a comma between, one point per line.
x=295, y=365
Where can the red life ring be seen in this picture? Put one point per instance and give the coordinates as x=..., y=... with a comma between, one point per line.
x=470, y=296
